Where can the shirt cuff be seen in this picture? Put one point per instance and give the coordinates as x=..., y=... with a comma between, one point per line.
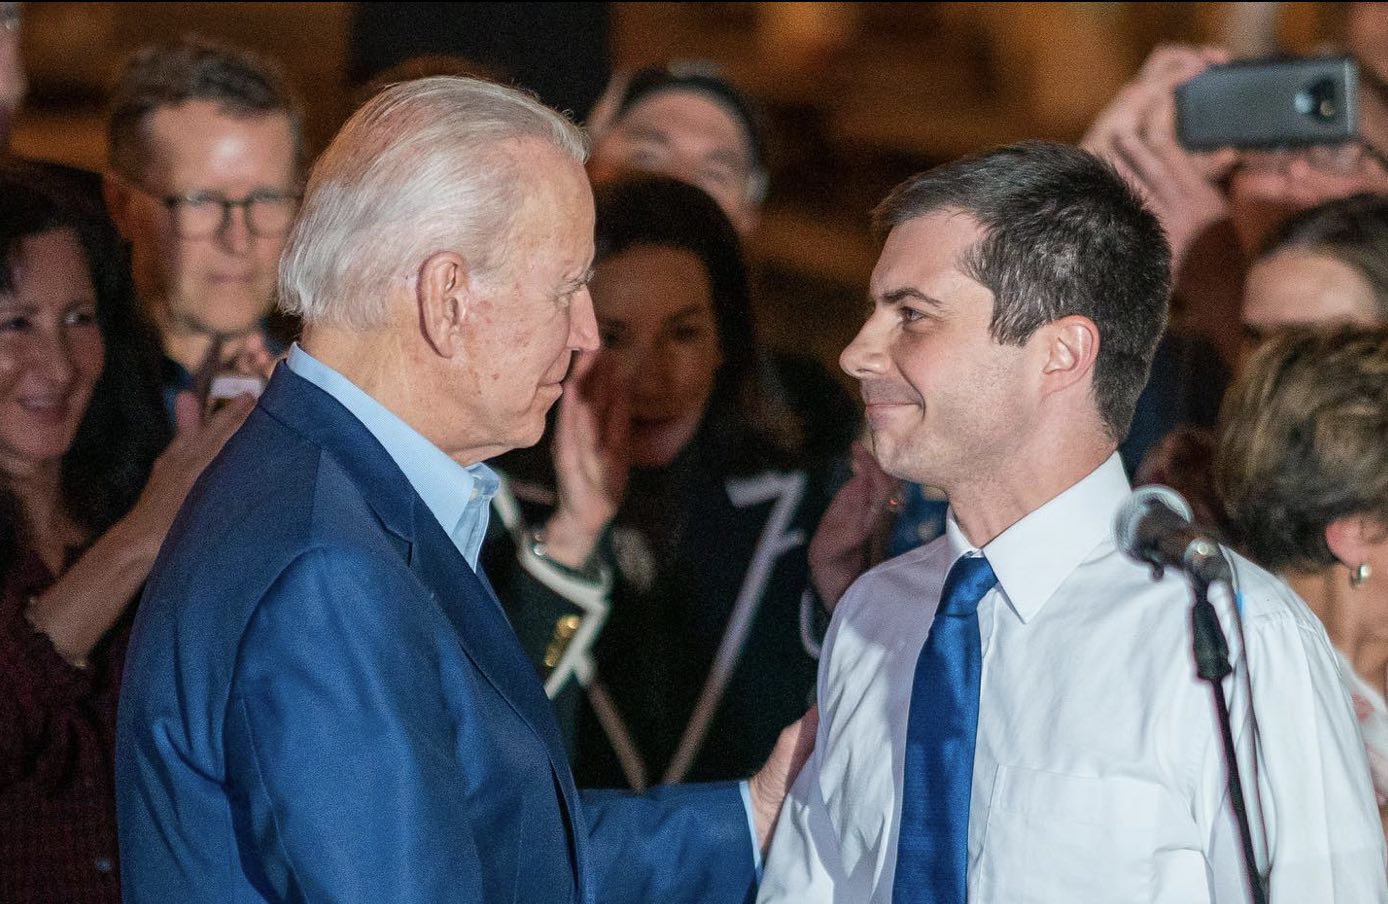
x=746, y=788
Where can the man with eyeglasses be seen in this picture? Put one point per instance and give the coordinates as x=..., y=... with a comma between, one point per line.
x=202, y=180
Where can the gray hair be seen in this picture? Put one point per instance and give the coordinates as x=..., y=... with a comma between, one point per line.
x=422, y=167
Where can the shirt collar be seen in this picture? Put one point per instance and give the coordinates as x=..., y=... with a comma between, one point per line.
x=1033, y=557
x=447, y=488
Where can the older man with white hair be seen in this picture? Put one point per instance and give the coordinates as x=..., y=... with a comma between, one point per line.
x=324, y=700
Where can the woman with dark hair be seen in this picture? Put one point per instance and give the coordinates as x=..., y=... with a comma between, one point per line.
x=1328, y=264
x=686, y=483
x=86, y=497
x=1301, y=474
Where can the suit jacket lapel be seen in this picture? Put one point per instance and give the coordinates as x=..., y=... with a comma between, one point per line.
x=465, y=598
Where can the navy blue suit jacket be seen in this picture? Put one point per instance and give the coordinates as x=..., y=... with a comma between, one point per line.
x=323, y=702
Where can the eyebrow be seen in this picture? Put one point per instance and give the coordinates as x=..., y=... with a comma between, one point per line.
x=690, y=310
x=730, y=159
x=897, y=296
x=647, y=133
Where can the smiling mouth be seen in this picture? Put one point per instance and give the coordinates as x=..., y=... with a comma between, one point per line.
x=55, y=409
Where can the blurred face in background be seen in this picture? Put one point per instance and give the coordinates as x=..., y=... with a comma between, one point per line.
x=656, y=318
x=12, y=83
x=1300, y=287
x=690, y=136
x=200, y=267
x=51, y=351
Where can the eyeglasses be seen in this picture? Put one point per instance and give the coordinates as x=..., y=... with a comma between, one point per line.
x=11, y=17
x=1349, y=159
x=200, y=215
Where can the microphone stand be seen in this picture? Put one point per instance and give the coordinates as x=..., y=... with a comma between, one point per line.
x=1212, y=664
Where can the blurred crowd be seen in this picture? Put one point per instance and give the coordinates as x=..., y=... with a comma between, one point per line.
x=672, y=549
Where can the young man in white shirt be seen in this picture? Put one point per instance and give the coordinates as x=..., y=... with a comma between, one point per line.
x=1070, y=753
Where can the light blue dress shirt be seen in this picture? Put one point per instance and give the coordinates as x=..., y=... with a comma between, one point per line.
x=459, y=497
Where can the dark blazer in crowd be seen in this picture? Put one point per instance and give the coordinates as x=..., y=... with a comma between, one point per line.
x=709, y=646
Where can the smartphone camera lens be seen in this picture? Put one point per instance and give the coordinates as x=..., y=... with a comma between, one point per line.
x=1317, y=100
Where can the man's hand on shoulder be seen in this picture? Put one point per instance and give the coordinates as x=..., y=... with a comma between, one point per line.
x=772, y=782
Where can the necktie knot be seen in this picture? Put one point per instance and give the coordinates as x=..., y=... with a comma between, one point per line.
x=969, y=579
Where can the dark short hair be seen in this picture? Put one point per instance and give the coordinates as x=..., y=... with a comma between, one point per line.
x=242, y=83
x=1301, y=443
x=748, y=420
x=1353, y=231
x=125, y=426
x=1064, y=234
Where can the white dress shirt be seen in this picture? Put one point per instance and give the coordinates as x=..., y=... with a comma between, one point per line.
x=1098, y=773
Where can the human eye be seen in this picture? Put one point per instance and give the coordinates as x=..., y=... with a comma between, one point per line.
x=83, y=315
x=15, y=323
x=644, y=156
x=688, y=333
x=718, y=177
x=612, y=336
x=200, y=200
x=910, y=314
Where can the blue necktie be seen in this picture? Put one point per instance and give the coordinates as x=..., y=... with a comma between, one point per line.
x=932, y=851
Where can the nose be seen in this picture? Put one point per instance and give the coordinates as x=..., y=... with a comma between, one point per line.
x=865, y=356
x=235, y=234
x=50, y=356
x=583, y=323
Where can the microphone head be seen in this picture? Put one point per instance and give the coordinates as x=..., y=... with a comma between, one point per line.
x=1137, y=505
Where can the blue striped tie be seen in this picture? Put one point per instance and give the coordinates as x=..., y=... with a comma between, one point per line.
x=932, y=851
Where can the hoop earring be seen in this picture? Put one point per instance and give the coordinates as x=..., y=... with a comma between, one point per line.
x=1359, y=575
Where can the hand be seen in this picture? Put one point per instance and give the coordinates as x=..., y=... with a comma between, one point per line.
x=254, y=358
x=772, y=782
x=591, y=458
x=1137, y=134
x=841, y=546
x=196, y=442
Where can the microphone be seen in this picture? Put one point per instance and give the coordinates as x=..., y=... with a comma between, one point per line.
x=1153, y=526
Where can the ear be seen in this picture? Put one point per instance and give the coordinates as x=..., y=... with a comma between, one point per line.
x=444, y=294
x=116, y=194
x=1071, y=345
x=1353, y=538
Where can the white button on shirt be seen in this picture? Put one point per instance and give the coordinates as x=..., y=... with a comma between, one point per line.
x=1098, y=771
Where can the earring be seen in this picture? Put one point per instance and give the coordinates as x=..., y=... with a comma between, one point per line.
x=1359, y=575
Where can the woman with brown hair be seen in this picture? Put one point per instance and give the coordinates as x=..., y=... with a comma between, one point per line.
x=1302, y=477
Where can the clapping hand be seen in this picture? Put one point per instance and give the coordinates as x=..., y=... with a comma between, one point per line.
x=769, y=787
x=842, y=546
x=196, y=442
x=591, y=457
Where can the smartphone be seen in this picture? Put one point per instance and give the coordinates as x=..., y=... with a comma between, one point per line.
x=1270, y=103
x=225, y=387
